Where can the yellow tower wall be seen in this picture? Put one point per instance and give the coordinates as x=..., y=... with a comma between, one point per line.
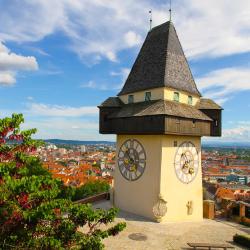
x=169, y=93
x=160, y=94
x=140, y=196
x=176, y=193
x=139, y=96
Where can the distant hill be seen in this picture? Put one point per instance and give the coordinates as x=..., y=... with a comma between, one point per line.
x=226, y=144
x=75, y=142
x=204, y=143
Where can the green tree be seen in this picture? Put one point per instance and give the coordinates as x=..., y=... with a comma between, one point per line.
x=32, y=214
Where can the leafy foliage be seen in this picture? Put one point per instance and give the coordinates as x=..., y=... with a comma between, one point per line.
x=33, y=212
x=88, y=189
x=243, y=240
x=245, y=223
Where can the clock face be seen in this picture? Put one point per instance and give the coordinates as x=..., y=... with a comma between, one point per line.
x=131, y=160
x=186, y=162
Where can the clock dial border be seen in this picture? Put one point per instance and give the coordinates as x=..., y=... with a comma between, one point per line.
x=181, y=146
x=120, y=165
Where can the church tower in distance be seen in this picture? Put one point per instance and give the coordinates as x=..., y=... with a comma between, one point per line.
x=159, y=118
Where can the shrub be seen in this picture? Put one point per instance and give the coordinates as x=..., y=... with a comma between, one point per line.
x=243, y=240
x=245, y=223
x=33, y=215
x=88, y=189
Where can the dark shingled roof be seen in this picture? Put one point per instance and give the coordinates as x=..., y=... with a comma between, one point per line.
x=112, y=102
x=207, y=104
x=160, y=107
x=161, y=63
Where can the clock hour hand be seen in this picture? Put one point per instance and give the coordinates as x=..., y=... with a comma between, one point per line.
x=130, y=161
x=184, y=165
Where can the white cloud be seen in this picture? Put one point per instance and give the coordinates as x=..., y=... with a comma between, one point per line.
x=7, y=78
x=65, y=128
x=239, y=133
x=3, y=49
x=132, y=39
x=36, y=19
x=60, y=111
x=104, y=86
x=221, y=84
x=89, y=85
x=123, y=73
x=37, y=50
x=111, y=56
x=94, y=85
x=10, y=63
x=30, y=98
x=98, y=28
x=244, y=122
x=55, y=121
x=95, y=28
x=63, y=123
x=213, y=28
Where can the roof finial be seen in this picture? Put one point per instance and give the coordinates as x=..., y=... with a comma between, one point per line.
x=170, y=10
x=151, y=19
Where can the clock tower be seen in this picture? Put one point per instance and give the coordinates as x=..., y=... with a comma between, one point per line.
x=159, y=117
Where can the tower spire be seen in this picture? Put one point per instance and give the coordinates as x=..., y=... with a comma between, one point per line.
x=151, y=19
x=170, y=10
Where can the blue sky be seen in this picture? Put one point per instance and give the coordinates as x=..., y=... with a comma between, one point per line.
x=59, y=59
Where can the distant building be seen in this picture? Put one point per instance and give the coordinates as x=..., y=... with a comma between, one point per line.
x=51, y=146
x=242, y=179
x=83, y=149
x=232, y=192
x=62, y=151
x=226, y=161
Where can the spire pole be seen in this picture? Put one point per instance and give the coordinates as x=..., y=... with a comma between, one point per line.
x=151, y=19
x=170, y=10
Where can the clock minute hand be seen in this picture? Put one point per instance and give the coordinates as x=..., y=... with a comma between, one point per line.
x=186, y=159
x=126, y=153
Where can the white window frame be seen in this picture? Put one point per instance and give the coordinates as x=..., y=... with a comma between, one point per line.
x=148, y=96
x=130, y=98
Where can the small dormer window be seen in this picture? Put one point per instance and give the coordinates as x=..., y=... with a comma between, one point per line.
x=176, y=96
x=194, y=123
x=190, y=100
x=147, y=96
x=130, y=98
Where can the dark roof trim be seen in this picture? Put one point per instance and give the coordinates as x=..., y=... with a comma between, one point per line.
x=112, y=102
x=207, y=104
